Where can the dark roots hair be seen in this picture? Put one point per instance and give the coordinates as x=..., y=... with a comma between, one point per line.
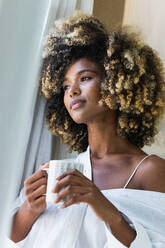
x=133, y=82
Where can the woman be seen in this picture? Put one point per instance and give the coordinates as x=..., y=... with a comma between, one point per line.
x=106, y=96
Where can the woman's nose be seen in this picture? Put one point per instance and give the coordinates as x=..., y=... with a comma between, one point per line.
x=75, y=90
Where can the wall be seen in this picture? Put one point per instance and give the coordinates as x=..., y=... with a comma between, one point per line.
x=148, y=16
x=110, y=12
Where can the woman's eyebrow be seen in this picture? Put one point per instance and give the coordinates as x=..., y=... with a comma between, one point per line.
x=87, y=70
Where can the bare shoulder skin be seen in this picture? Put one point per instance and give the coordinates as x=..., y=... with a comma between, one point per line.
x=153, y=174
x=114, y=171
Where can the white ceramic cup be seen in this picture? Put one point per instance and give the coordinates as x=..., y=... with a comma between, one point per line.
x=56, y=169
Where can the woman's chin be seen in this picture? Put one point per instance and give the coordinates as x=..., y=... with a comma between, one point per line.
x=79, y=120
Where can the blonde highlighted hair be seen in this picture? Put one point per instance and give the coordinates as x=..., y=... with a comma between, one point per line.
x=133, y=85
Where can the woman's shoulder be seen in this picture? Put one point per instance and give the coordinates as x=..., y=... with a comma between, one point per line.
x=153, y=174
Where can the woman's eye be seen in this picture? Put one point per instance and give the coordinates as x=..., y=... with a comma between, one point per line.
x=65, y=87
x=86, y=78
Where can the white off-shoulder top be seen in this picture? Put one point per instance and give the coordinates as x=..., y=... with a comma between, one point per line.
x=77, y=226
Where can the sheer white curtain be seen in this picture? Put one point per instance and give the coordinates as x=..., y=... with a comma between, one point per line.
x=148, y=16
x=25, y=141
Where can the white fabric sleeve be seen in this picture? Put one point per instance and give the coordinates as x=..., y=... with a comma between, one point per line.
x=9, y=243
x=141, y=239
x=17, y=203
x=21, y=244
x=14, y=208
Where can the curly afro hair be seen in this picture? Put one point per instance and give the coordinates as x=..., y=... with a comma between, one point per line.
x=133, y=84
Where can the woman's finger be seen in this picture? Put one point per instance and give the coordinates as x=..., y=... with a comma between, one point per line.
x=37, y=193
x=70, y=189
x=71, y=179
x=39, y=205
x=37, y=175
x=32, y=187
x=40, y=200
x=73, y=172
x=75, y=200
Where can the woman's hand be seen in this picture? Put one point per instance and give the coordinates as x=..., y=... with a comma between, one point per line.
x=35, y=188
x=84, y=190
x=33, y=206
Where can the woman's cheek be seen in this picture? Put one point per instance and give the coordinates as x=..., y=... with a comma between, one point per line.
x=65, y=103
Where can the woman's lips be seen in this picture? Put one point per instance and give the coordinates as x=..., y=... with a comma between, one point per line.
x=77, y=104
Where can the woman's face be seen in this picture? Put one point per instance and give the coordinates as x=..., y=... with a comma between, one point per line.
x=82, y=91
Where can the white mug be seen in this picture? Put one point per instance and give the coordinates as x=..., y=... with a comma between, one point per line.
x=56, y=169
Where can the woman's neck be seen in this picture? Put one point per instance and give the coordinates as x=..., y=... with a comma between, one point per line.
x=103, y=138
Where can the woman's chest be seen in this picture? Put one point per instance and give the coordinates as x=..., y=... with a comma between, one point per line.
x=110, y=177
